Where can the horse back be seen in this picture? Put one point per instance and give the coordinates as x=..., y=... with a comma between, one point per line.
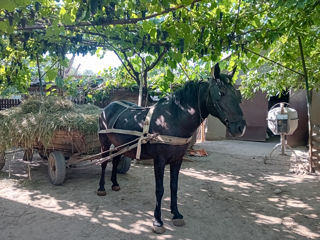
x=123, y=115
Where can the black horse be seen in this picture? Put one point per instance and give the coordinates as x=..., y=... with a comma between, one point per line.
x=179, y=115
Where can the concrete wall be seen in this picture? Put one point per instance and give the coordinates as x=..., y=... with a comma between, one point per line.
x=298, y=101
x=215, y=129
x=254, y=111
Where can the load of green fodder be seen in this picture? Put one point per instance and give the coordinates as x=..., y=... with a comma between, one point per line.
x=36, y=120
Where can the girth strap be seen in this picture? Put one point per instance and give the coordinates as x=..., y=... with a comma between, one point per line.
x=146, y=126
x=155, y=138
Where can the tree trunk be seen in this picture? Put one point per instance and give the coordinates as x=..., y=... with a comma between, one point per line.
x=40, y=77
x=309, y=101
x=141, y=84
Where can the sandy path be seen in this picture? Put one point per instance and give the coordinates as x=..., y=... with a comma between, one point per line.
x=230, y=194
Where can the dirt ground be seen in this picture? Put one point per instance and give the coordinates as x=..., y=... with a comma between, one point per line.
x=231, y=194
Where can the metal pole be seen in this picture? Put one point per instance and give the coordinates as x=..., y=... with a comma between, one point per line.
x=282, y=137
x=283, y=143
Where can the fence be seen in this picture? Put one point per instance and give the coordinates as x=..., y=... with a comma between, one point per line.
x=315, y=151
x=8, y=103
x=79, y=101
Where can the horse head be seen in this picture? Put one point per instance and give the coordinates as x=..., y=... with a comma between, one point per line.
x=223, y=102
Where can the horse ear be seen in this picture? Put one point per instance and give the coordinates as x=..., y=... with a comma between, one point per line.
x=216, y=71
x=233, y=72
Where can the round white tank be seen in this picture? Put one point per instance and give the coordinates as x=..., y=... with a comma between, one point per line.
x=292, y=119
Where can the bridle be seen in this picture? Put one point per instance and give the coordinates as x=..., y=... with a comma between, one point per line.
x=213, y=99
x=212, y=102
x=209, y=101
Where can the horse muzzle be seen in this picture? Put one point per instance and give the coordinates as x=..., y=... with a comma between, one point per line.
x=237, y=129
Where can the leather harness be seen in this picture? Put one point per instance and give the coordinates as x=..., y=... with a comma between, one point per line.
x=145, y=136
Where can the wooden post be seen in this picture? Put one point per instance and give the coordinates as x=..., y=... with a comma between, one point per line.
x=203, y=129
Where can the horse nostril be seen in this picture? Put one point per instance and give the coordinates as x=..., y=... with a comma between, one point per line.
x=242, y=129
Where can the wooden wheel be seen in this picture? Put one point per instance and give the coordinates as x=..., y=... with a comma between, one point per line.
x=56, y=168
x=43, y=155
x=2, y=160
x=28, y=155
x=124, y=165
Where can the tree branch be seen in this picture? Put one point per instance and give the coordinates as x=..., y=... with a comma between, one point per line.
x=185, y=73
x=148, y=68
x=49, y=69
x=236, y=19
x=270, y=60
x=135, y=73
x=125, y=66
x=106, y=21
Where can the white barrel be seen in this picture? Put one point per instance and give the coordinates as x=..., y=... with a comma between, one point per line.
x=292, y=119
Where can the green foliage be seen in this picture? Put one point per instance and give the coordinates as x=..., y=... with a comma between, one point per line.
x=165, y=35
x=271, y=29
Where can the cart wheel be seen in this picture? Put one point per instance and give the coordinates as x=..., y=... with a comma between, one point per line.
x=2, y=160
x=56, y=167
x=124, y=165
x=43, y=155
x=28, y=155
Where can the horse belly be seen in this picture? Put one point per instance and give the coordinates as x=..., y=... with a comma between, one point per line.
x=169, y=153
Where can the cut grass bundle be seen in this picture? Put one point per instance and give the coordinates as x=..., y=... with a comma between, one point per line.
x=36, y=120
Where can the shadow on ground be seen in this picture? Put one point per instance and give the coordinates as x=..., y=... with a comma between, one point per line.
x=230, y=194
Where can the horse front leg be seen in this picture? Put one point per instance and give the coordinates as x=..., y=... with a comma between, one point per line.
x=105, y=145
x=101, y=190
x=159, y=165
x=115, y=162
x=177, y=218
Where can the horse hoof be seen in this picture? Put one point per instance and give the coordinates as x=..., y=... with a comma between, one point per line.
x=101, y=193
x=116, y=188
x=159, y=230
x=178, y=222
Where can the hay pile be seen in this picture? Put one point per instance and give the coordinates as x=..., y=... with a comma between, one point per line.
x=36, y=119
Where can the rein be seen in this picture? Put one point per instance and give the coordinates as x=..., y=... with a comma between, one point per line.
x=199, y=107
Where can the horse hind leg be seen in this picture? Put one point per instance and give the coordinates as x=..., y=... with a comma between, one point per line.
x=105, y=145
x=177, y=218
x=115, y=184
x=159, y=166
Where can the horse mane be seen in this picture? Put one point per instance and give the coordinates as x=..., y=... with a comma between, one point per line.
x=187, y=92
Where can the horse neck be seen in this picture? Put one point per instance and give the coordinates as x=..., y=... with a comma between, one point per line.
x=191, y=111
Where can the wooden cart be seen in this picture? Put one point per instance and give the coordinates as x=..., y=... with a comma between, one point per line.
x=68, y=149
